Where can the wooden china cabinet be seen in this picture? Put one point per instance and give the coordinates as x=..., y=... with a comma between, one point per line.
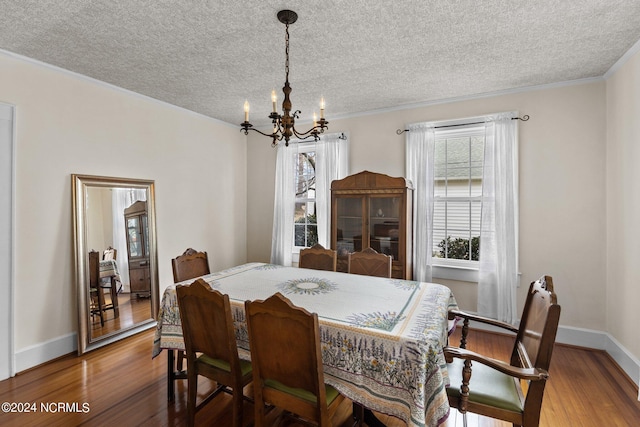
x=136, y=222
x=373, y=210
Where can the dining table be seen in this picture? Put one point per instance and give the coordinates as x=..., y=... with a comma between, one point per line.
x=109, y=270
x=381, y=339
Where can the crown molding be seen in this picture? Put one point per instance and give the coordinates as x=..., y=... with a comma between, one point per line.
x=623, y=60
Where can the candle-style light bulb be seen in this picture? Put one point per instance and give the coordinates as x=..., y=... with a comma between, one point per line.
x=274, y=100
x=315, y=119
x=321, y=107
x=246, y=111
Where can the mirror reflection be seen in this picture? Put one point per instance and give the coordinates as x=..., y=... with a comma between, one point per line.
x=116, y=258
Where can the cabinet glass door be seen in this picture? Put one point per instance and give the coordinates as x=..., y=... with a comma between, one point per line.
x=349, y=224
x=384, y=224
x=134, y=237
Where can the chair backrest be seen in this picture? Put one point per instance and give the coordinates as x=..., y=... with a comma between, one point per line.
x=94, y=269
x=370, y=263
x=318, y=258
x=538, y=326
x=109, y=253
x=536, y=338
x=285, y=348
x=189, y=265
x=207, y=323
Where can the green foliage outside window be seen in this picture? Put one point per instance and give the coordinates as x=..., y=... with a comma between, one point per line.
x=458, y=248
x=306, y=231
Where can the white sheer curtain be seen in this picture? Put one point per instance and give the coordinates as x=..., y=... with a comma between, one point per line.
x=420, y=149
x=284, y=205
x=498, y=275
x=122, y=198
x=332, y=162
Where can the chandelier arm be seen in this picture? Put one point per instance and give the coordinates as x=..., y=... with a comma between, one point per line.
x=313, y=135
x=246, y=132
x=310, y=132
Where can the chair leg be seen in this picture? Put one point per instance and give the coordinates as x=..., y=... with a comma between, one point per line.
x=358, y=414
x=192, y=380
x=237, y=405
x=179, y=360
x=101, y=305
x=259, y=409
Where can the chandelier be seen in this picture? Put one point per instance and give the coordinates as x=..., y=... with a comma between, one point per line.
x=284, y=124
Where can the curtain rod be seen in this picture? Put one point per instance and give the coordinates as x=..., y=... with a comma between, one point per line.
x=523, y=118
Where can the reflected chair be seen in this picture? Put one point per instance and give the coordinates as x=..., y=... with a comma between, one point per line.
x=287, y=363
x=512, y=391
x=370, y=263
x=189, y=265
x=109, y=253
x=211, y=349
x=318, y=258
x=96, y=306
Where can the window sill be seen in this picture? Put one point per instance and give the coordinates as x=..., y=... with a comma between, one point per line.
x=450, y=272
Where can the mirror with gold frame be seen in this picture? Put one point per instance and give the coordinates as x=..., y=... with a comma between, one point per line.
x=114, y=225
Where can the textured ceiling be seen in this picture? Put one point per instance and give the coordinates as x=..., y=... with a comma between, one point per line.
x=209, y=56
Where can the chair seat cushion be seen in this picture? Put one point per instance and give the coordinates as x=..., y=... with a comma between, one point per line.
x=245, y=367
x=331, y=392
x=487, y=386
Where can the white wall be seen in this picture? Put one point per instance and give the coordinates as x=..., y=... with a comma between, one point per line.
x=562, y=187
x=68, y=124
x=623, y=205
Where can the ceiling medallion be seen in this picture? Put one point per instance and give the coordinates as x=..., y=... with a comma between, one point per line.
x=284, y=124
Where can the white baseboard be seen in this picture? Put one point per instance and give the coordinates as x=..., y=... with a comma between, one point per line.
x=38, y=354
x=589, y=338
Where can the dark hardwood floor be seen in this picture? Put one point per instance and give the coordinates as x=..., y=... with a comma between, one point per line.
x=120, y=385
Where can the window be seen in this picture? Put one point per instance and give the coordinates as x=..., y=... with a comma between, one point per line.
x=466, y=196
x=305, y=221
x=301, y=214
x=457, y=191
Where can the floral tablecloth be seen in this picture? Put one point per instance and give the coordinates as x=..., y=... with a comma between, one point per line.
x=382, y=339
x=109, y=269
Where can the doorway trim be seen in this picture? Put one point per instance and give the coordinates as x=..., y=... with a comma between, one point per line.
x=7, y=239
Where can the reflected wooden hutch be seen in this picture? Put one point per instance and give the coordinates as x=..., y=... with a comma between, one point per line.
x=373, y=210
x=135, y=219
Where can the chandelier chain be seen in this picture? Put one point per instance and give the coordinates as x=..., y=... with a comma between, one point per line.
x=286, y=51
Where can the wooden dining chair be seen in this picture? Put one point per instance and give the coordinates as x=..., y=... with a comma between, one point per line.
x=318, y=258
x=370, y=263
x=287, y=363
x=511, y=391
x=189, y=265
x=211, y=349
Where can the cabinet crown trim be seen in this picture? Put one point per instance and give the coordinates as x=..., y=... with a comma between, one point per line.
x=366, y=180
